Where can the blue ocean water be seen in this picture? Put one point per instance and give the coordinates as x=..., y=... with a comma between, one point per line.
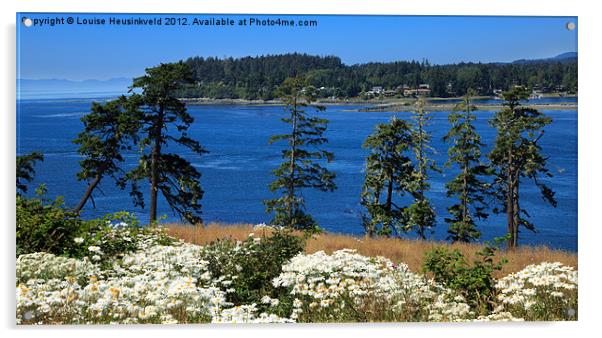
x=237, y=171
x=491, y=101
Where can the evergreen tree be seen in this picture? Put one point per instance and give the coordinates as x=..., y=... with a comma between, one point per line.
x=301, y=167
x=388, y=172
x=421, y=215
x=517, y=154
x=26, y=171
x=109, y=130
x=467, y=186
x=165, y=122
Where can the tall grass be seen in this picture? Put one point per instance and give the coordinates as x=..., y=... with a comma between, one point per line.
x=411, y=252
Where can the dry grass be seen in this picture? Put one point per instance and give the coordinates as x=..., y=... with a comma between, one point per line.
x=411, y=252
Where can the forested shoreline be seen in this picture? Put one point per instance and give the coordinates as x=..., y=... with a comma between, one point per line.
x=253, y=78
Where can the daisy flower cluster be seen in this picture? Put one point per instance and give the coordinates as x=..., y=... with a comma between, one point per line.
x=545, y=291
x=45, y=266
x=160, y=284
x=347, y=286
x=247, y=314
x=263, y=226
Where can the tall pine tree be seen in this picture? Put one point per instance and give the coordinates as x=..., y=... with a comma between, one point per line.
x=468, y=186
x=420, y=215
x=388, y=173
x=109, y=130
x=165, y=122
x=517, y=155
x=303, y=158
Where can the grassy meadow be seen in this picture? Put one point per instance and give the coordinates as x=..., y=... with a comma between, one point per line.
x=411, y=252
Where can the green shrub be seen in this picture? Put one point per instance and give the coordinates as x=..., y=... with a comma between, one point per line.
x=46, y=226
x=474, y=282
x=246, y=269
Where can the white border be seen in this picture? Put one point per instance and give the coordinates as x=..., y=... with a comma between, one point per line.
x=590, y=142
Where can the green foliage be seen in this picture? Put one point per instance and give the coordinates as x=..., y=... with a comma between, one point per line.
x=467, y=186
x=164, y=123
x=109, y=129
x=255, y=262
x=390, y=169
x=421, y=214
x=46, y=226
x=117, y=234
x=258, y=77
x=303, y=159
x=475, y=282
x=517, y=154
x=388, y=172
x=25, y=170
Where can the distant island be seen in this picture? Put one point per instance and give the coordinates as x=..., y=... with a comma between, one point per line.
x=256, y=78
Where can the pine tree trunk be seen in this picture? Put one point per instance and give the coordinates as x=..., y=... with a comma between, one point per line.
x=291, y=190
x=155, y=157
x=516, y=210
x=465, y=170
x=422, y=173
x=389, y=202
x=422, y=168
x=465, y=193
x=510, y=202
x=88, y=193
x=376, y=200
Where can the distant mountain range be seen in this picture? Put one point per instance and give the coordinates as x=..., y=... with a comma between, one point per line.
x=564, y=57
x=42, y=88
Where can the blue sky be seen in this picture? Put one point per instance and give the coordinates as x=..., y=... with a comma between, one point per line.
x=79, y=52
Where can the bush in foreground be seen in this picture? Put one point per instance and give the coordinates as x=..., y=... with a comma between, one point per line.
x=474, y=282
x=47, y=226
x=248, y=267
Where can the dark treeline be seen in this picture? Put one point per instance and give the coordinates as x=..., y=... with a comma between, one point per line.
x=259, y=77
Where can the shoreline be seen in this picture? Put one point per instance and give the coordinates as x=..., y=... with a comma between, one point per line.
x=450, y=107
x=385, y=105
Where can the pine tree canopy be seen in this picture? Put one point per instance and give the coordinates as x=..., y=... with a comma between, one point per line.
x=304, y=159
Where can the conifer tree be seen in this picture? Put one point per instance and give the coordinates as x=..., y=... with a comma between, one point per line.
x=109, y=130
x=165, y=122
x=468, y=186
x=303, y=158
x=516, y=156
x=420, y=215
x=388, y=173
x=26, y=171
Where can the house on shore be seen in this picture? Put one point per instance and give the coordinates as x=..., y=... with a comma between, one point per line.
x=422, y=90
